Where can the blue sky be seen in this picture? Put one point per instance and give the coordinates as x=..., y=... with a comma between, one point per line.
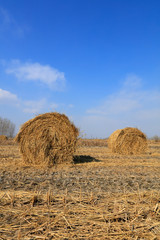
x=97, y=61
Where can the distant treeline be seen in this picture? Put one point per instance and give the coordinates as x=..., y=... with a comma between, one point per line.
x=7, y=128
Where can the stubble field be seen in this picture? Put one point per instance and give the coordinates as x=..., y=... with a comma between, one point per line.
x=100, y=196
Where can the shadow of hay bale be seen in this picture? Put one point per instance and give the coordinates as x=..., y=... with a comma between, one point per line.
x=84, y=159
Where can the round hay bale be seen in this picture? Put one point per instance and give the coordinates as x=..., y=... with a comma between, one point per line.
x=3, y=138
x=128, y=141
x=48, y=139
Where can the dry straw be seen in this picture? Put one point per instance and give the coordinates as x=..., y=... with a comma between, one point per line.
x=3, y=138
x=128, y=141
x=48, y=139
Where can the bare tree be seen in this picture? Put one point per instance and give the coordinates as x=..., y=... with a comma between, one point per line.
x=7, y=128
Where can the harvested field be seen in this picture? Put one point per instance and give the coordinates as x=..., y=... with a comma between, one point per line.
x=100, y=196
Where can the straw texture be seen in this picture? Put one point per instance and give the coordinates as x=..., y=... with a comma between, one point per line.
x=47, y=139
x=128, y=141
x=3, y=138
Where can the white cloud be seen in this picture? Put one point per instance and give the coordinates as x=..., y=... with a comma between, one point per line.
x=7, y=97
x=121, y=102
x=27, y=106
x=130, y=98
x=116, y=104
x=34, y=107
x=39, y=106
x=38, y=73
x=130, y=106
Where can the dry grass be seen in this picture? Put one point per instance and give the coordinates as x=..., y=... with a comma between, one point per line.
x=3, y=138
x=80, y=215
x=92, y=142
x=101, y=196
x=47, y=139
x=128, y=141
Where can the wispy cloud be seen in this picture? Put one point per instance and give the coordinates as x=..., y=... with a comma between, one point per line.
x=27, y=107
x=130, y=106
x=8, y=24
x=131, y=82
x=125, y=100
x=34, y=107
x=36, y=72
x=130, y=98
x=7, y=97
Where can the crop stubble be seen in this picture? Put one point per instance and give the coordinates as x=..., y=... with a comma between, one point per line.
x=101, y=196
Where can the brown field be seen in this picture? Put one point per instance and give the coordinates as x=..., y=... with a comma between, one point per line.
x=101, y=196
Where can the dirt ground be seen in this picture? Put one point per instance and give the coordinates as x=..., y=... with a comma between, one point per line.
x=100, y=196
